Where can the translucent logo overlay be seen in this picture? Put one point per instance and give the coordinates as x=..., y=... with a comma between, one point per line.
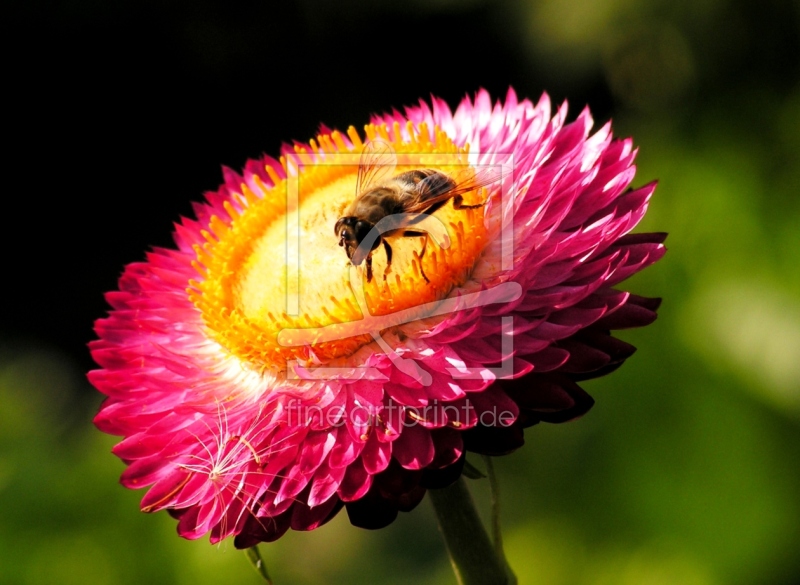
x=497, y=165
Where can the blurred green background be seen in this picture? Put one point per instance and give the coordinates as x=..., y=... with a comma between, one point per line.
x=685, y=472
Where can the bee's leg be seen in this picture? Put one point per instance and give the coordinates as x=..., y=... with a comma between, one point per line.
x=421, y=254
x=368, y=262
x=458, y=203
x=417, y=234
x=388, y=249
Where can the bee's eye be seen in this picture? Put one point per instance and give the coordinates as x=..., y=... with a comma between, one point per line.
x=361, y=230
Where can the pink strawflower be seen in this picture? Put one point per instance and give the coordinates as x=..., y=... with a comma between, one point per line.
x=255, y=395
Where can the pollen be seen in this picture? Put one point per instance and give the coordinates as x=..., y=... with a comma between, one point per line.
x=271, y=266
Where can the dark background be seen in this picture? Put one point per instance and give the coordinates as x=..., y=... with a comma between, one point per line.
x=119, y=114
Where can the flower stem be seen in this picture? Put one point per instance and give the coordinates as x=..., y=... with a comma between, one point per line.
x=497, y=535
x=472, y=555
x=254, y=556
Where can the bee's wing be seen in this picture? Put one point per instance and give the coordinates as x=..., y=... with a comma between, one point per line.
x=486, y=176
x=377, y=164
x=439, y=187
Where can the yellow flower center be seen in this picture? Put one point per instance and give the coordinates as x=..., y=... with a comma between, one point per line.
x=275, y=264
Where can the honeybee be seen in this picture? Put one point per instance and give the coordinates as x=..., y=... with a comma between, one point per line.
x=380, y=195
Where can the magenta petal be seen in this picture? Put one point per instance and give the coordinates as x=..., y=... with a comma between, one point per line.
x=257, y=530
x=444, y=389
x=448, y=446
x=139, y=446
x=346, y=449
x=372, y=511
x=541, y=393
x=356, y=483
x=294, y=482
x=461, y=414
x=414, y=449
x=144, y=472
x=548, y=359
x=376, y=455
x=494, y=408
x=627, y=316
x=405, y=396
x=582, y=357
x=232, y=522
x=165, y=490
x=311, y=517
x=316, y=448
x=187, y=523
x=325, y=483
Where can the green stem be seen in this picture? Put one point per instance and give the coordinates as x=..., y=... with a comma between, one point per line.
x=254, y=556
x=497, y=535
x=472, y=555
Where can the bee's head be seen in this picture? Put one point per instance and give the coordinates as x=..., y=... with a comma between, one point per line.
x=351, y=232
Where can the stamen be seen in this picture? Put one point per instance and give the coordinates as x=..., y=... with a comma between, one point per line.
x=337, y=139
x=352, y=133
